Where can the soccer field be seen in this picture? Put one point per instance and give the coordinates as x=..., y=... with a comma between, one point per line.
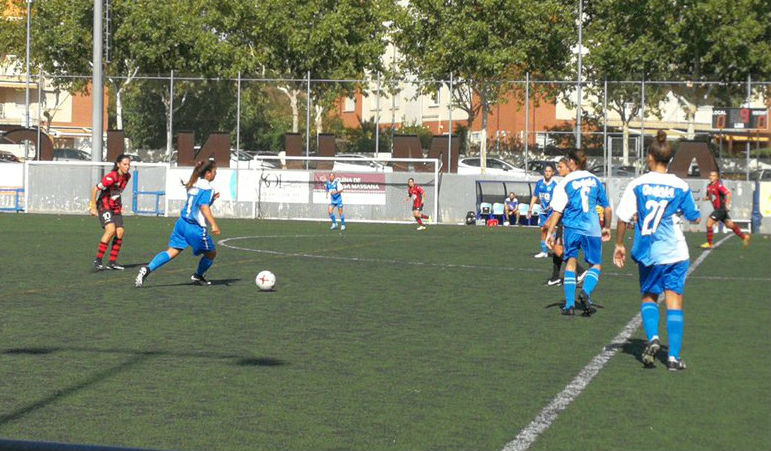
x=379, y=338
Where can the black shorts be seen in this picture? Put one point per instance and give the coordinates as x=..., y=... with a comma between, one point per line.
x=108, y=217
x=417, y=208
x=720, y=215
x=558, y=233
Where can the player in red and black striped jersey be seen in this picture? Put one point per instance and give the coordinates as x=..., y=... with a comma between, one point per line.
x=418, y=197
x=720, y=196
x=108, y=208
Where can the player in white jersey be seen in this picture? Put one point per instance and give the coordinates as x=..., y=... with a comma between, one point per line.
x=191, y=227
x=660, y=250
x=574, y=202
x=334, y=190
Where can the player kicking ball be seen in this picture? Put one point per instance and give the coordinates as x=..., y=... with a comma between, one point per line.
x=334, y=191
x=190, y=229
x=417, y=195
x=660, y=250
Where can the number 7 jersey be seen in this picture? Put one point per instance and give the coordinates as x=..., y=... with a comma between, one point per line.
x=657, y=199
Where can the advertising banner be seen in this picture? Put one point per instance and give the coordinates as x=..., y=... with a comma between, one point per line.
x=359, y=189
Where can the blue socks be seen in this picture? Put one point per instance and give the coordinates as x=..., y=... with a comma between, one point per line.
x=204, y=265
x=650, y=319
x=591, y=279
x=675, y=332
x=342, y=219
x=544, y=249
x=570, y=289
x=158, y=261
x=332, y=217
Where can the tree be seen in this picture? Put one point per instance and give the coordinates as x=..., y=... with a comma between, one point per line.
x=715, y=40
x=620, y=39
x=482, y=43
x=331, y=40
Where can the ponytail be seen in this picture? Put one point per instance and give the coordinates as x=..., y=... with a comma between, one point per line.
x=660, y=149
x=200, y=170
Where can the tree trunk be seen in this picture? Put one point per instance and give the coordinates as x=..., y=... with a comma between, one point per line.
x=293, y=94
x=483, y=145
x=625, y=143
x=318, y=118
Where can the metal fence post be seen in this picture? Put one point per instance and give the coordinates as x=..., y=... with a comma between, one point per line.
x=449, y=136
x=607, y=151
x=749, y=99
x=377, y=118
x=308, y=120
x=238, y=129
x=641, y=148
x=170, y=131
x=527, y=117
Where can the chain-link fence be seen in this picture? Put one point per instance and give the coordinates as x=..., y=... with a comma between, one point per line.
x=520, y=122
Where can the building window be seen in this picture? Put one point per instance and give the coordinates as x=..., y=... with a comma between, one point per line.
x=350, y=105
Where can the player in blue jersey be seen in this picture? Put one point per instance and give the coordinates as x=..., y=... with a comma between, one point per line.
x=543, y=194
x=190, y=229
x=660, y=250
x=335, y=193
x=575, y=200
x=558, y=249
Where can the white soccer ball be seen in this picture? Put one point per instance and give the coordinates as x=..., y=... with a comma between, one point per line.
x=265, y=280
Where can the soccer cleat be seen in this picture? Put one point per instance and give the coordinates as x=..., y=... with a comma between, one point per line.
x=199, y=280
x=541, y=255
x=553, y=282
x=568, y=311
x=141, y=276
x=582, y=276
x=649, y=353
x=674, y=364
x=342, y=227
x=707, y=246
x=586, y=303
x=99, y=266
x=115, y=266
x=746, y=240
x=421, y=228
x=333, y=226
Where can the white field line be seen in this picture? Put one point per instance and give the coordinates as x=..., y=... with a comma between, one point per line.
x=546, y=417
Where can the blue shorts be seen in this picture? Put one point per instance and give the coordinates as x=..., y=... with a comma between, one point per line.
x=336, y=203
x=655, y=279
x=187, y=234
x=591, y=245
x=543, y=217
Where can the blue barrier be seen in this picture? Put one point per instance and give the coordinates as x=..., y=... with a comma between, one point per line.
x=135, y=203
x=18, y=194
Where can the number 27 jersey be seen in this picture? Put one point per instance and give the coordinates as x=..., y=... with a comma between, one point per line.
x=657, y=199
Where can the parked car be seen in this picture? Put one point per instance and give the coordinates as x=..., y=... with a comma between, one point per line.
x=243, y=160
x=64, y=154
x=360, y=163
x=495, y=166
x=615, y=171
x=8, y=157
x=539, y=165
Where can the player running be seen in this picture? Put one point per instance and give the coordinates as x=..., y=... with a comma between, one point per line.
x=659, y=248
x=335, y=193
x=108, y=208
x=574, y=202
x=417, y=195
x=190, y=229
x=721, y=201
x=558, y=249
x=543, y=194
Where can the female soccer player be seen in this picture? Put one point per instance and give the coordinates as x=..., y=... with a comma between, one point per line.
x=543, y=193
x=190, y=228
x=574, y=202
x=417, y=195
x=558, y=249
x=108, y=208
x=721, y=200
x=335, y=192
x=659, y=248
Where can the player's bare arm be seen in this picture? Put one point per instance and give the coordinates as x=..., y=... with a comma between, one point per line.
x=92, y=202
x=619, y=254
x=551, y=225
x=608, y=212
x=215, y=229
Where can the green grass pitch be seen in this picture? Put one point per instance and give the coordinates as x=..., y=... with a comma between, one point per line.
x=379, y=338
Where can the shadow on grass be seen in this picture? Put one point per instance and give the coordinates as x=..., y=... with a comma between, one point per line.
x=135, y=357
x=225, y=282
x=635, y=347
